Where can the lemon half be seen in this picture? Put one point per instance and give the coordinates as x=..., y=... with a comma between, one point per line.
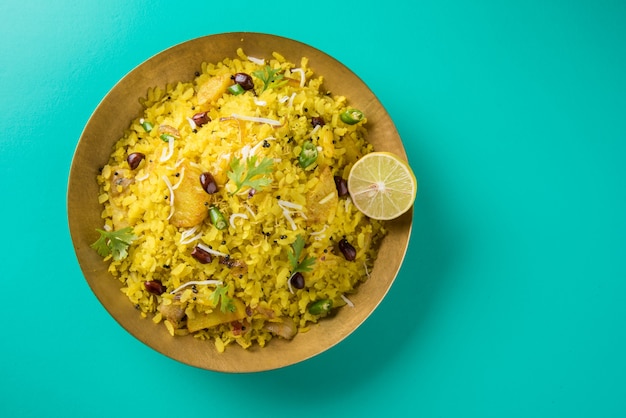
x=382, y=185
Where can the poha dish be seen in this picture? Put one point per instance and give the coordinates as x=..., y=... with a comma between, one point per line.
x=225, y=204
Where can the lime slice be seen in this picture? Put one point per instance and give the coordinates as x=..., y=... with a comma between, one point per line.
x=382, y=185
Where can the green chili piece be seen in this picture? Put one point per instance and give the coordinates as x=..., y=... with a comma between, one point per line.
x=308, y=155
x=147, y=126
x=236, y=89
x=321, y=307
x=217, y=218
x=166, y=137
x=352, y=116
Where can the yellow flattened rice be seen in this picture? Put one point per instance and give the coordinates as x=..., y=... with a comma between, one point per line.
x=229, y=199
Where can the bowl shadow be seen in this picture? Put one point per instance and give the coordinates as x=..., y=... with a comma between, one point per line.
x=381, y=339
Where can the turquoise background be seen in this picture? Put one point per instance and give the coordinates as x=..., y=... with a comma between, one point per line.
x=512, y=299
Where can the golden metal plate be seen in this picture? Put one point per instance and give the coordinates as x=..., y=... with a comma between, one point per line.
x=107, y=124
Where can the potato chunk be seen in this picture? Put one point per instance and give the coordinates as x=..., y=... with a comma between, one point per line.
x=213, y=88
x=322, y=200
x=190, y=200
x=286, y=328
x=174, y=313
x=202, y=320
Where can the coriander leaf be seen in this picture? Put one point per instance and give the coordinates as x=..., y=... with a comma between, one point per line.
x=299, y=266
x=305, y=265
x=292, y=259
x=270, y=78
x=236, y=171
x=114, y=242
x=252, y=175
x=297, y=246
x=220, y=296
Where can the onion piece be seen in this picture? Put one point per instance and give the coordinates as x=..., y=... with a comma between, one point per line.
x=255, y=148
x=167, y=152
x=250, y=211
x=287, y=204
x=191, y=123
x=192, y=239
x=182, y=175
x=187, y=237
x=287, y=216
x=234, y=216
x=320, y=232
x=168, y=129
x=211, y=250
x=302, y=75
x=196, y=282
x=348, y=301
x=327, y=198
x=187, y=233
x=272, y=122
x=245, y=152
x=258, y=61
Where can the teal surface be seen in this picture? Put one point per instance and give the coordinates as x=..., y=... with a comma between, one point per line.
x=512, y=299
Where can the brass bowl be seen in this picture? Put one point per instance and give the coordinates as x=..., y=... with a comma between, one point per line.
x=107, y=124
